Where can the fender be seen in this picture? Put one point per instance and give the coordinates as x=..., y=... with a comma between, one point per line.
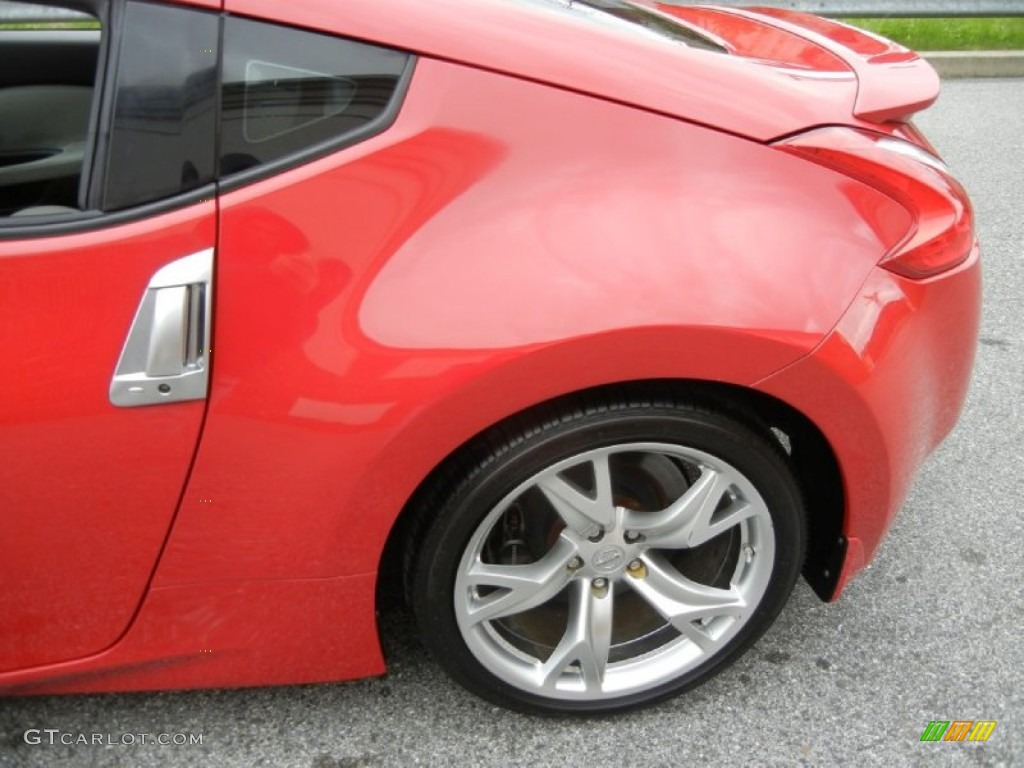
x=380, y=306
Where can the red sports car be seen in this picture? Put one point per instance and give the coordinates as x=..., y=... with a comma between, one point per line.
x=595, y=323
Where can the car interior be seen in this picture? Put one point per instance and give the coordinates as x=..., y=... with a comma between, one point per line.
x=46, y=73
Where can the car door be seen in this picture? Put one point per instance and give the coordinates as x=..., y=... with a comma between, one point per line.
x=107, y=238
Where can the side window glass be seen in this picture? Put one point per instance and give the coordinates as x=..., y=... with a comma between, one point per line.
x=49, y=61
x=163, y=133
x=286, y=91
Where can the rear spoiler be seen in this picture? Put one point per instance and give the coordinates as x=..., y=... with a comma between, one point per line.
x=893, y=81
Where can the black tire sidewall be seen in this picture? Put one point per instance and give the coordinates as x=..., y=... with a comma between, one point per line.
x=502, y=468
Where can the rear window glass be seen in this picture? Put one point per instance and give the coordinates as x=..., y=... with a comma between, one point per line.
x=641, y=18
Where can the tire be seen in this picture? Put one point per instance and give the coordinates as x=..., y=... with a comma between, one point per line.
x=610, y=556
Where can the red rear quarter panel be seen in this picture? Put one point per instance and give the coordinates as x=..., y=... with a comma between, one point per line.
x=381, y=306
x=485, y=262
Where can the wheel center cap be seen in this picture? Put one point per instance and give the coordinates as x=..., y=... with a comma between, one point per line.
x=608, y=559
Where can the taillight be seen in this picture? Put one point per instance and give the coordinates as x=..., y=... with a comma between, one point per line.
x=943, y=230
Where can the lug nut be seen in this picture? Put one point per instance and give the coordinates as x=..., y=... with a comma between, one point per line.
x=637, y=569
x=597, y=536
x=599, y=587
x=632, y=536
x=575, y=563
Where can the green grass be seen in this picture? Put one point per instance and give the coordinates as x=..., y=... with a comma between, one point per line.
x=1000, y=34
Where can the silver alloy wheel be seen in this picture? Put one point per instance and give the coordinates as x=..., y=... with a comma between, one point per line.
x=614, y=571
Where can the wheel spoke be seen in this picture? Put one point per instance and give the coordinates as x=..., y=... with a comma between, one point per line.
x=583, y=514
x=523, y=586
x=694, y=518
x=667, y=514
x=698, y=634
x=683, y=601
x=587, y=638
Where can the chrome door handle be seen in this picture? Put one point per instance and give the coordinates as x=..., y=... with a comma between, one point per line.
x=165, y=358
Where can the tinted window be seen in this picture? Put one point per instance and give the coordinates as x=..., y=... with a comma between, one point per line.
x=48, y=62
x=287, y=90
x=164, y=124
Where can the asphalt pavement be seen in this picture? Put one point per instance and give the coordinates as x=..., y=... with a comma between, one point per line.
x=931, y=631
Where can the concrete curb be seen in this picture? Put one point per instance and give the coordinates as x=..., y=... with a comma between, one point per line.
x=977, y=63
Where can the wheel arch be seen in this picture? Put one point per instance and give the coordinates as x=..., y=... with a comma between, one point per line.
x=814, y=462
